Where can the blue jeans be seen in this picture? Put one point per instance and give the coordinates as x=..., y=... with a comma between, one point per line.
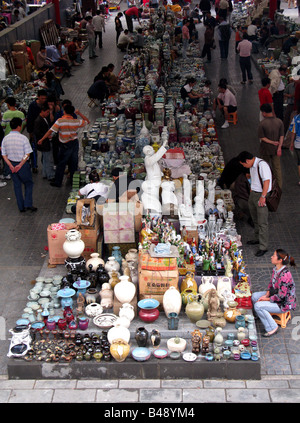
x=48, y=163
x=185, y=45
x=68, y=155
x=23, y=177
x=263, y=310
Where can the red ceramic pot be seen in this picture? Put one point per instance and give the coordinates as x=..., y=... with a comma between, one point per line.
x=149, y=315
x=62, y=324
x=245, y=342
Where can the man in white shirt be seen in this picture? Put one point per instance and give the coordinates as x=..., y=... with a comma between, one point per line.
x=99, y=25
x=261, y=185
x=277, y=89
x=252, y=31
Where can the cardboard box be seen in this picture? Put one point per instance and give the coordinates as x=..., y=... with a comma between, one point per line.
x=35, y=48
x=91, y=219
x=90, y=237
x=146, y=262
x=156, y=283
x=119, y=236
x=19, y=46
x=56, y=239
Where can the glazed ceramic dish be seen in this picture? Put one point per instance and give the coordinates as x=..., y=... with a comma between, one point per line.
x=189, y=357
x=141, y=354
x=160, y=353
x=203, y=324
x=105, y=320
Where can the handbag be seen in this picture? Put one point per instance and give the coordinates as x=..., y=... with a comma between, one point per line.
x=274, y=196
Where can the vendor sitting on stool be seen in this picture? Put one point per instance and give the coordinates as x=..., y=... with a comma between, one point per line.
x=281, y=294
x=187, y=91
x=95, y=189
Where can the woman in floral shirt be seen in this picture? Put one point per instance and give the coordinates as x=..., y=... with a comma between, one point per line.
x=281, y=294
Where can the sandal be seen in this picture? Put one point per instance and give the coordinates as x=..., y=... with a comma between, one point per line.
x=268, y=334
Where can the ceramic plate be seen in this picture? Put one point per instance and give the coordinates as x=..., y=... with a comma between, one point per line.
x=160, y=353
x=105, y=320
x=38, y=325
x=22, y=322
x=189, y=357
x=141, y=354
x=203, y=324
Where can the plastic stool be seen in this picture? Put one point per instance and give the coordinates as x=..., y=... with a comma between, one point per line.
x=282, y=318
x=232, y=118
x=58, y=69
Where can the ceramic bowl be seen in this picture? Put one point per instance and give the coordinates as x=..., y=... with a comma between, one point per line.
x=148, y=303
x=45, y=293
x=160, y=353
x=38, y=325
x=175, y=355
x=189, y=357
x=24, y=322
x=141, y=354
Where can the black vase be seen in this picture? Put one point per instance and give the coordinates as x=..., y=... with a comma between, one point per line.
x=102, y=275
x=141, y=336
x=155, y=338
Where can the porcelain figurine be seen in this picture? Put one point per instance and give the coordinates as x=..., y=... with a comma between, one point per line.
x=151, y=159
x=150, y=196
x=127, y=310
x=107, y=296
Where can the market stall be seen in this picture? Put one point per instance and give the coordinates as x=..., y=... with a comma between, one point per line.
x=158, y=276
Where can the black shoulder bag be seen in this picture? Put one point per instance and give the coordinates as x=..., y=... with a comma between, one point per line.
x=274, y=196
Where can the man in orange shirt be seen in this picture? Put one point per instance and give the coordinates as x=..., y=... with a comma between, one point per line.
x=66, y=127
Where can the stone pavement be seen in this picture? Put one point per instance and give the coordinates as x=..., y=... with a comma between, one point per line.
x=23, y=239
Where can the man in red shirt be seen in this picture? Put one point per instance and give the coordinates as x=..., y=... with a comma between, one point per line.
x=265, y=96
x=129, y=14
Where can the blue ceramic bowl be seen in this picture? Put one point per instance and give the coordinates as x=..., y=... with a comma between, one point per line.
x=22, y=322
x=38, y=325
x=245, y=355
x=141, y=354
x=160, y=353
x=148, y=304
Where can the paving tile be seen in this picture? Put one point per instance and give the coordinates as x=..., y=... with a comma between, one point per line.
x=74, y=395
x=55, y=384
x=266, y=384
x=247, y=395
x=31, y=395
x=4, y=395
x=97, y=383
x=285, y=395
x=203, y=395
x=117, y=395
x=139, y=383
x=160, y=395
x=182, y=383
x=16, y=384
x=224, y=384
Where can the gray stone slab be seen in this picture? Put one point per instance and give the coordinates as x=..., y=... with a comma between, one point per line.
x=17, y=384
x=204, y=395
x=117, y=395
x=285, y=395
x=182, y=383
x=31, y=395
x=55, y=384
x=160, y=395
x=97, y=384
x=139, y=383
x=76, y=396
x=4, y=395
x=224, y=384
x=266, y=384
x=247, y=395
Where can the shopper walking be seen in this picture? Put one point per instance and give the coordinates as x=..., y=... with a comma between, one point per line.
x=280, y=296
x=259, y=171
x=208, y=42
x=67, y=127
x=118, y=26
x=91, y=37
x=185, y=39
x=98, y=22
x=271, y=134
x=244, y=48
x=223, y=33
x=16, y=150
x=277, y=89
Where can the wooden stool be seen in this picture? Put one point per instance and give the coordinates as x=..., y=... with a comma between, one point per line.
x=232, y=118
x=282, y=318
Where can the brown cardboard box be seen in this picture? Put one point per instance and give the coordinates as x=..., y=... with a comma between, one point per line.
x=35, y=48
x=118, y=305
x=90, y=238
x=157, y=282
x=55, y=243
x=19, y=46
x=191, y=235
x=92, y=219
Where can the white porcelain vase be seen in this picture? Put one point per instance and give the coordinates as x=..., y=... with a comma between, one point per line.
x=73, y=246
x=124, y=290
x=127, y=310
x=112, y=265
x=206, y=284
x=118, y=332
x=95, y=260
x=93, y=309
x=172, y=301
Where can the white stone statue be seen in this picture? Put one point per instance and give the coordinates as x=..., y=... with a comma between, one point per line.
x=199, y=210
x=211, y=191
x=168, y=197
x=150, y=196
x=187, y=192
x=151, y=161
x=221, y=208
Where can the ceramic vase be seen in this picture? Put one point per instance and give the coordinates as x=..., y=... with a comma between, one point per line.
x=172, y=301
x=93, y=309
x=116, y=253
x=155, y=338
x=118, y=332
x=91, y=296
x=112, y=265
x=95, y=260
x=119, y=349
x=141, y=336
x=231, y=312
x=124, y=290
x=194, y=309
x=241, y=333
x=127, y=310
x=73, y=246
x=189, y=283
x=132, y=255
x=206, y=284
x=218, y=339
